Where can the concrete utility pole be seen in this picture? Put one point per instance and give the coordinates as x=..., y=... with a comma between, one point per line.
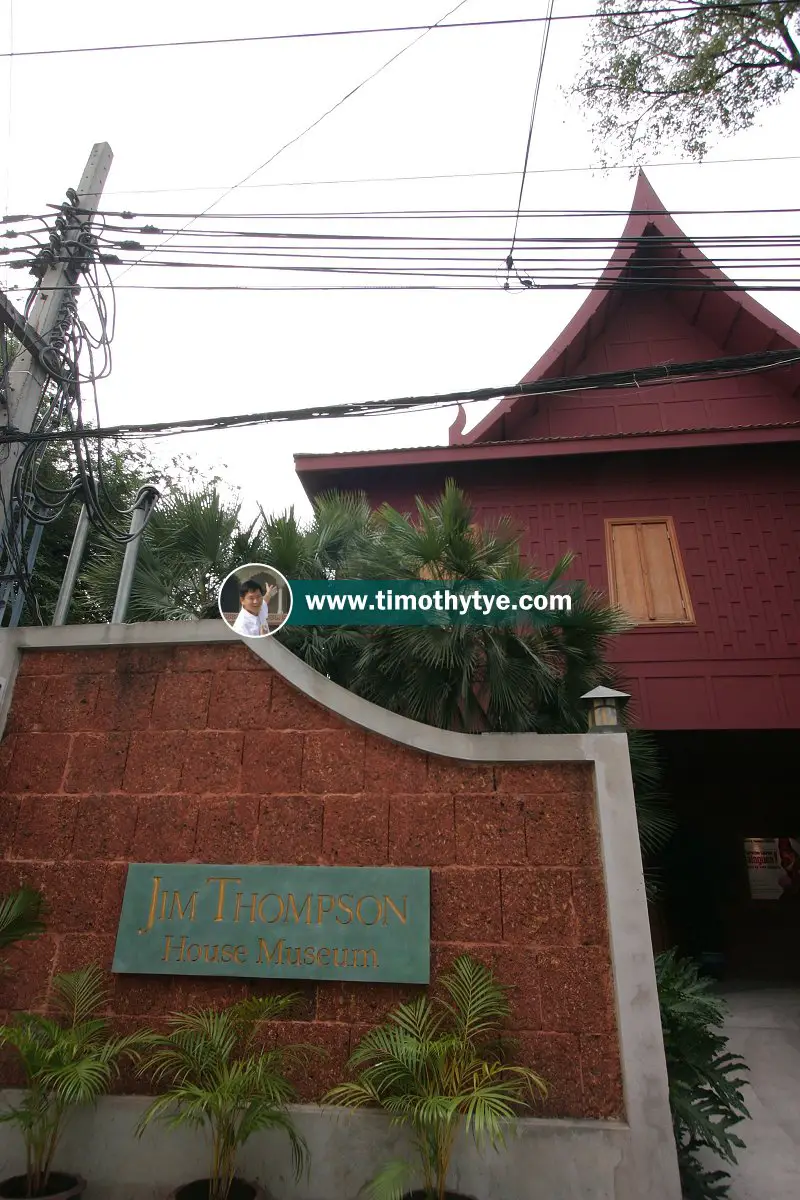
x=59, y=285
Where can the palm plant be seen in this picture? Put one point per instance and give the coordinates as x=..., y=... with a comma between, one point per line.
x=69, y=1061
x=193, y=540
x=705, y=1080
x=21, y=920
x=213, y=1075
x=438, y=1063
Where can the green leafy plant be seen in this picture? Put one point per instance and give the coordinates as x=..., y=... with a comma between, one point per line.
x=21, y=918
x=438, y=1063
x=69, y=1060
x=213, y=1075
x=705, y=1080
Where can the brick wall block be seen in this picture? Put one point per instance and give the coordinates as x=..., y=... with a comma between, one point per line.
x=240, y=700
x=43, y=662
x=290, y=830
x=166, y=828
x=9, y=811
x=69, y=703
x=556, y=1057
x=37, y=762
x=125, y=701
x=212, y=762
x=104, y=827
x=537, y=906
x=226, y=830
x=589, y=901
x=490, y=830
x=355, y=830
x=45, y=827
x=358, y=1003
x=293, y=710
x=560, y=829
x=134, y=659
x=154, y=762
x=445, y=775
x=26, y=704
x=421, y=830
x=465, y=904
x=24, y=986
x=325, y=1067
x=334, y=761
x=83, y=896
x=387, y=765
x=181, y=700
x=601, y=1073
x=76, y=950
x=272, y=762
x=545, y=777
x=576, y=989
x=96, y=762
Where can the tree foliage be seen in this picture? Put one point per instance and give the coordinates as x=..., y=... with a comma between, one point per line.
x=21, y=918
x=125, y=468
x=705, y=1079
x=193, y=540
x=653, y=77
x=437, y=1064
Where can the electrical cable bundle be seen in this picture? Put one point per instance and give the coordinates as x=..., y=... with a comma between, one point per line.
x=76, y=354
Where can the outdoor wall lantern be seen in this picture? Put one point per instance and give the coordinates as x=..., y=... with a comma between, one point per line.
x=605, y=703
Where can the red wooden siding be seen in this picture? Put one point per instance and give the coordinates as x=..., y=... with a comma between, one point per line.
x=646, y=329
x=737, y=517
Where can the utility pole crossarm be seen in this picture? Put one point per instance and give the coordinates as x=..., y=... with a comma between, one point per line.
x=13, y=320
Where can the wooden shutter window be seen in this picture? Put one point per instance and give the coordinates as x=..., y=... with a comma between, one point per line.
x=645, y=573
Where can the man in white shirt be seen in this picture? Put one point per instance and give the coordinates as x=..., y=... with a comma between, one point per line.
x=252, y=620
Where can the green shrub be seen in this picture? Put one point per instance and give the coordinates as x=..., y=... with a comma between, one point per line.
x=435, y=1064
x=704, y=1078
x=213, y=1074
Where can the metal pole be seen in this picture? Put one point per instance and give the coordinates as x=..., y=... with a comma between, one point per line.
x=146, y=498
x=73, y=567
x=27, y=376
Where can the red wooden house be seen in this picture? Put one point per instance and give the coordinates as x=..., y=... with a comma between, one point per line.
x=682, y=501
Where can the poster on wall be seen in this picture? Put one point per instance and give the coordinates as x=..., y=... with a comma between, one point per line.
x=773, y=868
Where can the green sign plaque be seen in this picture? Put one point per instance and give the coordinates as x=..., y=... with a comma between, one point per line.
x=345, y=923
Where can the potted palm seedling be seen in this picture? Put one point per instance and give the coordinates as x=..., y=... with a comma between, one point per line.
x=437, y=1065
x=69, y=1059
x=212, y=1074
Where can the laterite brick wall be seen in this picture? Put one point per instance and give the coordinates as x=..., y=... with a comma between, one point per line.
x=178, y=754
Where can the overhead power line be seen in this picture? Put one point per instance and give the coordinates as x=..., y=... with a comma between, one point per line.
x=534, y=106
x=686, y=9
x=652, y=376
x=318, y=121
x=291, y=183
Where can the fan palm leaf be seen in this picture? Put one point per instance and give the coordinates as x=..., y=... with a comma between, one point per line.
x=21, y=917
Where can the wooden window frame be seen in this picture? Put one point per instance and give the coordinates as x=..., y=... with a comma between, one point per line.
x=680, y=574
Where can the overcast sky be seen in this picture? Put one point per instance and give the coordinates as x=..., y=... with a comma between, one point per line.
x=187, y=123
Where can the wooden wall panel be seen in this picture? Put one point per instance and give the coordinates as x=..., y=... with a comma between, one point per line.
x=737, y=517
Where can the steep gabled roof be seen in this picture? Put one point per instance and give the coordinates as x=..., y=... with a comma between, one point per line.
x=735, y=322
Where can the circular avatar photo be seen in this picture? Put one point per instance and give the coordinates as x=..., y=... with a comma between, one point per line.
x=255, y=600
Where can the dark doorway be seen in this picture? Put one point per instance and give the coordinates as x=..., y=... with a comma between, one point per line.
x=726, y=788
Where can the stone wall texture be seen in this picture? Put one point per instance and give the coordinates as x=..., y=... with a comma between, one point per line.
x=179, y=754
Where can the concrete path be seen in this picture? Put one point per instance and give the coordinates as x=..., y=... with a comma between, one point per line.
x=764, y=1027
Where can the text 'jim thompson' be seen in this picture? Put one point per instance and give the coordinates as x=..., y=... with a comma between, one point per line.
x=283, y=922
